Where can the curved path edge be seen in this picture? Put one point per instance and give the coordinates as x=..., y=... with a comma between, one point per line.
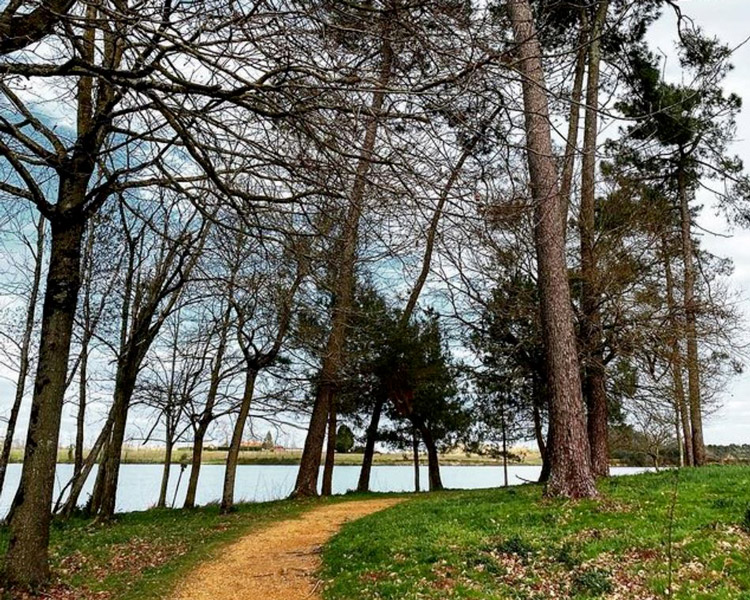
x=277, y=562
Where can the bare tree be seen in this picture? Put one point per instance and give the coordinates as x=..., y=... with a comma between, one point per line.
x=307, y=477
x=263, y=313
x=23, y=23
x=24, y=350
x=155, y=277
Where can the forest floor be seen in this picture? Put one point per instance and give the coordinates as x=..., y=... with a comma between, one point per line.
x=674, y=534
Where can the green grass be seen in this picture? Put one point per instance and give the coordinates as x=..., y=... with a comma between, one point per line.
x=513, y=544
x=141, y=555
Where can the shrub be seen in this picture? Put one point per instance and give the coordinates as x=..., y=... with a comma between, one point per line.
x=592, y=583
x=745, y=524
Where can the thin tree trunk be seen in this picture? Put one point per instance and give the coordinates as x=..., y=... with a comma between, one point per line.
x=307, y=476
x=162, y=502
x=81, y=415
x=693, y=365
x=538, y=432
x=433, y=458
x=678, y=435
x=77, y=482
x=230, y=474
x=415, y=453
x=571, y=145
x=505, y=446
x=183, y=466
x=594, y=388
x=537, y=417
x=206, y=417
x=330, y=452
x=27, y=558
x=195, y=464
x=83, y=375
x=23, y=367
x=97, y=501
x=433, y=461
x=676, y=362
x=105, y=490
x=570, y=474
x=547, y=458
x=372, y=434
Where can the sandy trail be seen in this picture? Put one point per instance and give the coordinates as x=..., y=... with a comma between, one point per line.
x=278, y=562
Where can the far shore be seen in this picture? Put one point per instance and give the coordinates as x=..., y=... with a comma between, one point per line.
x=182, y=455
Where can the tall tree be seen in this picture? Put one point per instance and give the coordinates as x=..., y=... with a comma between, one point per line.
x=307, y=477
x=594, y=387
x=570, y=473
x=684, y=130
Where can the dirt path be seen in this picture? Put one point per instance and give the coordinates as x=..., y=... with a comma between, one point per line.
x=278, y=562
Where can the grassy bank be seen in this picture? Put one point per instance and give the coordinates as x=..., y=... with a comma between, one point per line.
x=512, y=544
x=140, y=556
x=148, y=456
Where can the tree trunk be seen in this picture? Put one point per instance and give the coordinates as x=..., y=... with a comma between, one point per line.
x=433, y=458
x=103, y=499
x=676, y=362
x=162, y=502
x=307, y=476
x=546, y=458
x=195, y=464
x=570, y=474
x=86, y=276
x=23, y=367
x=27, y=558
x=537, y=419
x=330, y=452
x=105, y=490
x=372, y=435
x=678, y=436
x=78, y=481
x=693, y=365
x=574, y=117
x=207, y=415
x=81, y=415
x=230, y=474
x=415, y=452
x=594, y=388
x=505, y=446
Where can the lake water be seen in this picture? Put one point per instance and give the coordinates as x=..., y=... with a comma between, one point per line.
x=139, y=484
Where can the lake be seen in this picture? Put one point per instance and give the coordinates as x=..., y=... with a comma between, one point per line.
x=139, y=484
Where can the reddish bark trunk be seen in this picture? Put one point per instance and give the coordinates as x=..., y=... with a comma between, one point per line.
x=676, y=362
x=691, y=335
x=570, y=471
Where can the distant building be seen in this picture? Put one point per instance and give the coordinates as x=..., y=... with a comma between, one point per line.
x=251, y=446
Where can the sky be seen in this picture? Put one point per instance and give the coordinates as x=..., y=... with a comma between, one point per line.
x=727, y=19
